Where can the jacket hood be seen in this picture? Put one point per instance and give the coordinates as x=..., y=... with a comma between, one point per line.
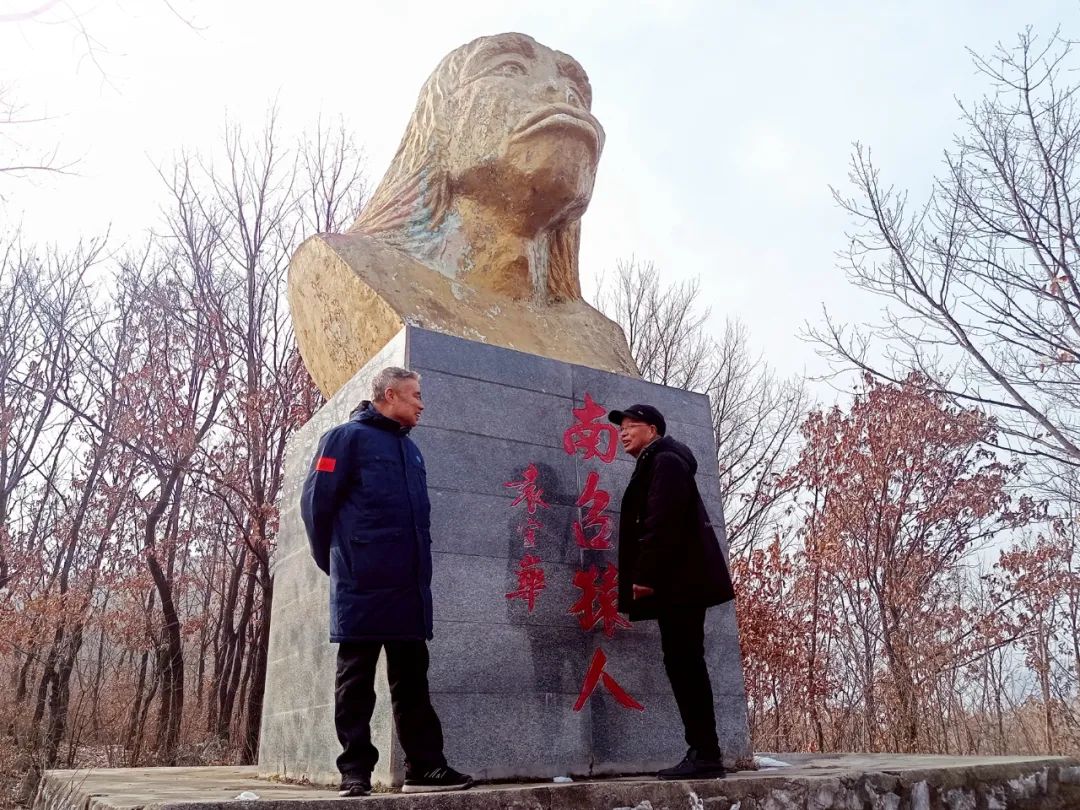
x=367, y=413
x=666, y=444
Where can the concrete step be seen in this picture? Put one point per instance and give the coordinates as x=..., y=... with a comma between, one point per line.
x=805, y=781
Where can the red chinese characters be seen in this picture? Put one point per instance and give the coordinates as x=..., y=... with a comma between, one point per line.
x=529, y=532
x=594, y=676
x=529, y=492
x=597, y=500
x=594, y=437
x=530, y=581
x=530, y=575
x=588, y=434
x=599, y=600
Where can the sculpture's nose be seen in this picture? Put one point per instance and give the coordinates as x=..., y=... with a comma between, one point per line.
x=560, y=91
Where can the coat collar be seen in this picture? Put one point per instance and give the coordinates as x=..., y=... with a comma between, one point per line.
x=368, y=414
x=648, y=451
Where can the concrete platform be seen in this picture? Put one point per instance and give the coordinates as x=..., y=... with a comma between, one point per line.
x=808, y=782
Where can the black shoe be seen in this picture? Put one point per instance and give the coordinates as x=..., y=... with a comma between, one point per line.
x=695, y=766
x=355, y=786
x=436, y=779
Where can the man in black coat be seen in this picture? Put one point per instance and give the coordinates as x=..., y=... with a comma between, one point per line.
x=671, y=569
x=368, y=519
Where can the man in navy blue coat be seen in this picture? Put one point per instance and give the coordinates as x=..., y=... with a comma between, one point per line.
x=368, y=519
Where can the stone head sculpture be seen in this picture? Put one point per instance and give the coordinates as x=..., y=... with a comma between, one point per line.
x=495, y=170
x=475, y=227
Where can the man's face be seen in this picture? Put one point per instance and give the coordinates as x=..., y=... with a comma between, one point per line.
x=403, y=403
x=520, y=122
x=635, y=436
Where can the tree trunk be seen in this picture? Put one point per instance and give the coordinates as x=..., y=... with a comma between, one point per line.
x=258, y=678
x=172, y=676
x=61, y=697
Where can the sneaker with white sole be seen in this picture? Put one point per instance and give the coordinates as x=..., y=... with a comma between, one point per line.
x=436, y=780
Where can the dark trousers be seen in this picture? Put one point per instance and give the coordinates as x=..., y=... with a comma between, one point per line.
x=417, y=724
x=682, y=637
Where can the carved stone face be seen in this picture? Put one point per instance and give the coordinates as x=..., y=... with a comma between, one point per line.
x=521, y=135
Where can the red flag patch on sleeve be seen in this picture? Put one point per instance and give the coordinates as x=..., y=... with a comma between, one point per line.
x=325, y=464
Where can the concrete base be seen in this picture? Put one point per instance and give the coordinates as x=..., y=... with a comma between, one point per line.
x=813, y=782
x=507, y=675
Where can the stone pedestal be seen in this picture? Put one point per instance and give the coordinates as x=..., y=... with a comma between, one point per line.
x=505, y=679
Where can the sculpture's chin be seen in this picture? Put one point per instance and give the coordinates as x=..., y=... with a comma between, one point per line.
x=555, y=176
x=571, y=148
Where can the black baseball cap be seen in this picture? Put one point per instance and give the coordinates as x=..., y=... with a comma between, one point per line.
x=643, y=413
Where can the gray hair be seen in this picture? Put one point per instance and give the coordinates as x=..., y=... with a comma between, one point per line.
x=389, y=377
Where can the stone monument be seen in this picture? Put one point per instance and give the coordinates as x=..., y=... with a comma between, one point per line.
x=463, y=267
x=474, y=229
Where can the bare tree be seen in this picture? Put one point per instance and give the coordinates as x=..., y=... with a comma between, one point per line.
x=333, y=184
x=244, y=221
x=663, y=324
x=982, y=280
x=756, y=418
x=755, y=415
x=17, y=159
x=144, y=414
x=55, y=518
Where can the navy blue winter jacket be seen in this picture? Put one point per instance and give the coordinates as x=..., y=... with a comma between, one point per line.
x=368, y=519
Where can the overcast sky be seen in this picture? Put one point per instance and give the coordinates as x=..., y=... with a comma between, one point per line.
x=726, y=122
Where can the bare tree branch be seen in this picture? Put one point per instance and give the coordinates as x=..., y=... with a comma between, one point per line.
x=981, y=281
x=755, y=416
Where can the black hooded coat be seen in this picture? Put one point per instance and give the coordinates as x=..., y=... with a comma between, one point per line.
x=666, y=539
